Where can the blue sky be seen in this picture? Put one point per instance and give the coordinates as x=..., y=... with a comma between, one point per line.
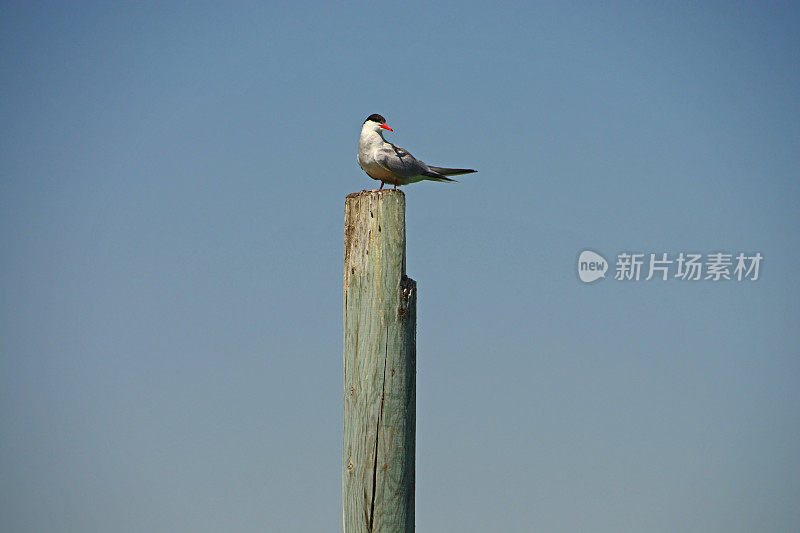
x=172, y=183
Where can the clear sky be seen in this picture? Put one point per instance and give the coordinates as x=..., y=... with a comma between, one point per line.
x=172, y=184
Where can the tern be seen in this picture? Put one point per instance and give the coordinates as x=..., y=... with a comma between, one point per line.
x=388, y=163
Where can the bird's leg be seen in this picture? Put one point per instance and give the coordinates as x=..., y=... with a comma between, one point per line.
x=381, y=187
x=395, y=184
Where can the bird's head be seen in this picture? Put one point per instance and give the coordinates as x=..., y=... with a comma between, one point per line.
x=376, y=123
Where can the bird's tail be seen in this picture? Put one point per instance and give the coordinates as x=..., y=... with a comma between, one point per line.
x=452, y=171
x=440, y=174
x=435, y=176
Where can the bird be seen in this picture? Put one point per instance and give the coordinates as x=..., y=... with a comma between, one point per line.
x=388, y=163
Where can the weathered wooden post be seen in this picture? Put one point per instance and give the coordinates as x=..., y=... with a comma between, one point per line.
x=379, y=366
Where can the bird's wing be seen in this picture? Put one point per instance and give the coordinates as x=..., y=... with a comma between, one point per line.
x=400, y=161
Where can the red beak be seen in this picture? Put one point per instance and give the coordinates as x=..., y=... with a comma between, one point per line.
x=384, y=126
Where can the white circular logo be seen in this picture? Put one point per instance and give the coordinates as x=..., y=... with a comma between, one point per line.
x=591, y=266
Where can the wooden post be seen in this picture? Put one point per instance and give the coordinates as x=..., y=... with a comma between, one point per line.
x=379, y=366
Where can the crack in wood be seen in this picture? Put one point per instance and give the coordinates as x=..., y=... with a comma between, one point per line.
x=371, y=522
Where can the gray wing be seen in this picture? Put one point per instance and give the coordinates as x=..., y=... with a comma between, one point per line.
x=399, y=161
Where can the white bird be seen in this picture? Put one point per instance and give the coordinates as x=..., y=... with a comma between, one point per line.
x=387, y=163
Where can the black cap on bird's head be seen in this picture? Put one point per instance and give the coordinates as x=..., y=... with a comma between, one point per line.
x=379, y=119
x=376, y=118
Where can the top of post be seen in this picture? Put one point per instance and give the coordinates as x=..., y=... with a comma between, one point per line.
x=375, y=235
x=379, y=193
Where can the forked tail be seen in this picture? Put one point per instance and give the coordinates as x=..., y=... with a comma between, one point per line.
x=441, y=173
x=452, y=171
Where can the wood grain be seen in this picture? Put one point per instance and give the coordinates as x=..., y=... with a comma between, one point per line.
x=379, y=367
